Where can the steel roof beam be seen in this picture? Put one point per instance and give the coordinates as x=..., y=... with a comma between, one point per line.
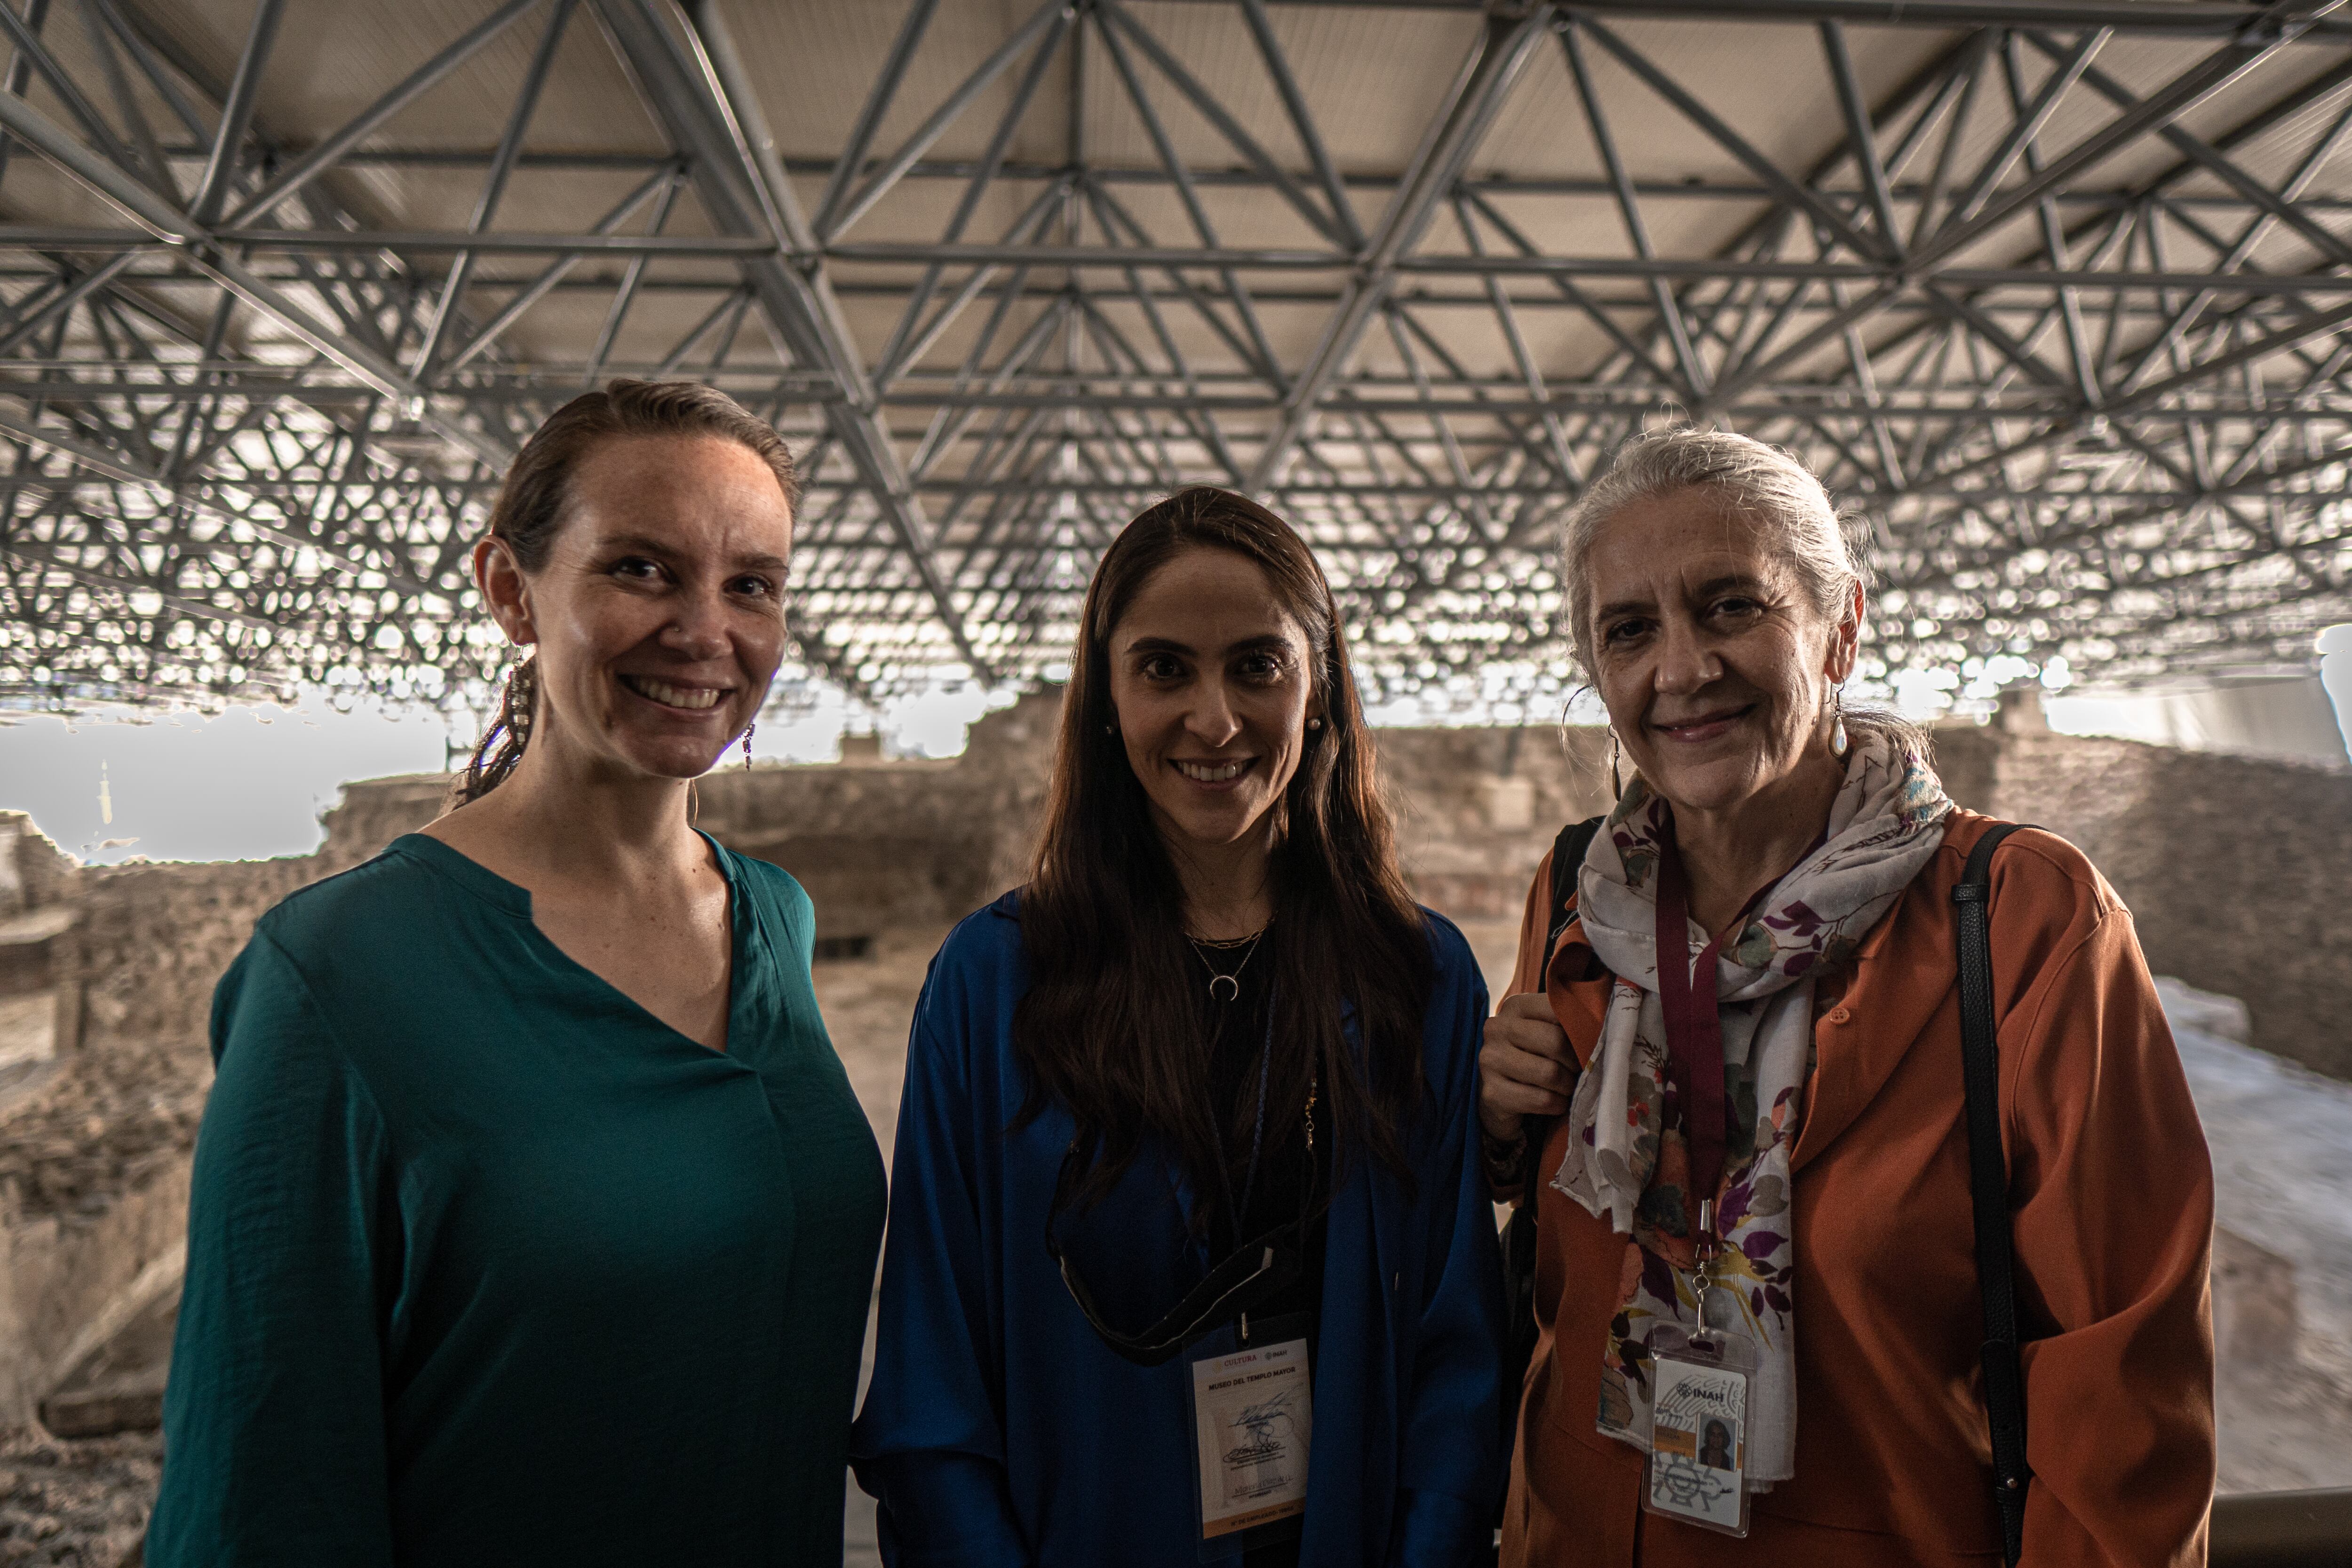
x=1695, y=379
x=846, y=170
x=1469, y=110
x=236, y=114
x=714, y=116
x=165, y=222
x=1938, y=391
x=293, y=178
x=493, y=185
x=2309, y=22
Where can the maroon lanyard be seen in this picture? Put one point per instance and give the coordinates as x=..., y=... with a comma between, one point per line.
x=1694, y=1027
x=1694, y=1031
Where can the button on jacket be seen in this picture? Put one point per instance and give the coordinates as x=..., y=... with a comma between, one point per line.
x=2111, y=1194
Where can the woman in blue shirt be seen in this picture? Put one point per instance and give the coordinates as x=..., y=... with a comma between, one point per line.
x=1191, y=1255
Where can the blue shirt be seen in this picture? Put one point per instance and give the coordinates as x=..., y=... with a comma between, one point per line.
x=999, y=1429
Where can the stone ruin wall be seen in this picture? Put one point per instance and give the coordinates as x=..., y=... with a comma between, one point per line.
x=2233, y=867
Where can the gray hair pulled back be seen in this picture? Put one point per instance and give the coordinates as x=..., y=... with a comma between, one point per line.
x=1762, y=486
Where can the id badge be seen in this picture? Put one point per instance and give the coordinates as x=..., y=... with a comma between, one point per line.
x=1698, y=1470
x=1253, y=1418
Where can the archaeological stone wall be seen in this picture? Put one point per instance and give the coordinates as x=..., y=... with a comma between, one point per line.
x=879, y=845
x=1477, y=808
x=2235, y=869
x=2232, y=865
x=155, y=938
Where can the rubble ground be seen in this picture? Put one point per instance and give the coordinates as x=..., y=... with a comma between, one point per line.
x=76, y=1505
x=91, y=1130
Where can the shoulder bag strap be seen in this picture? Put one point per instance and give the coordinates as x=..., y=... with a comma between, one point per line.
x=1567, y=860
x=2004, y=1378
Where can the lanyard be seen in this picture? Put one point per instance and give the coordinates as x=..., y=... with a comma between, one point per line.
x=1694, y=1031
x=1257, y=1131
x=1687, y=994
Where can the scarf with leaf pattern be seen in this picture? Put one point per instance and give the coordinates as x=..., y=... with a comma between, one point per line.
x=1627, y=1159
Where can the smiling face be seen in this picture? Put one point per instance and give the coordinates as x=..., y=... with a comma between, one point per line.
x=659, y=615
x=1210, y=676
x=1716, y=665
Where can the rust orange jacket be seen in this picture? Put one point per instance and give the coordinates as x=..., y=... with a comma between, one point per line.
x=2112, y=1192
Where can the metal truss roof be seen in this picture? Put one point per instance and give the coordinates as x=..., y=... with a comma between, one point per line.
x=2054, y=293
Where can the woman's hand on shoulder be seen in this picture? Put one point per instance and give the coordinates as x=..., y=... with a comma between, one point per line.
x=1526, y=1068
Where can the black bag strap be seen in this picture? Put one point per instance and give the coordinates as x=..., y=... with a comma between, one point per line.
x=1567, y=859
x=2004, y=1377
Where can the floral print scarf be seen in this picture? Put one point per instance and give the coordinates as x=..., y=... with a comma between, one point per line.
x=1627, y=1161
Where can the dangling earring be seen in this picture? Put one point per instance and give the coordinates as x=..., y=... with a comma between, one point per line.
x=747, y=742
x=1839, y=744
x=1616, y=784
x=522, y=697
x=1110, y=728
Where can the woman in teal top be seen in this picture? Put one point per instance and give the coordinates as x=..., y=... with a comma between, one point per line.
x=533, y=1219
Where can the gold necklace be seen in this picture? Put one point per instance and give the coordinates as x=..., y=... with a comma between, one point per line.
x=1231, y=983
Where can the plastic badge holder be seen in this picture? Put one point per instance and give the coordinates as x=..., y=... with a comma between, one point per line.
x=1250, y=1399
x=1698, y=1470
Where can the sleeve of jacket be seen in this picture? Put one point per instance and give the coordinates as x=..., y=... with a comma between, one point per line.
x=273, y=1415
x=930, y=1443
x=1452, y=1468
x=2113, y=1215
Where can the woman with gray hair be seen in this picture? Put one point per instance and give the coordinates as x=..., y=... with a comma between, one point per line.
x=1751, y=1166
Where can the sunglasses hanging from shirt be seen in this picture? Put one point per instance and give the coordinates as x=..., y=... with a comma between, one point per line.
x=1253, y=1272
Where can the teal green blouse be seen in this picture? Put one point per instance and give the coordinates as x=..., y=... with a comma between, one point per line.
x=487, y=1265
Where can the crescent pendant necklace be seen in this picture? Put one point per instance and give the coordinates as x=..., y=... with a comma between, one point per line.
x=1226, y=987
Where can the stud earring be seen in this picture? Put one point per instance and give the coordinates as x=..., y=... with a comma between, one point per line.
x=1616, y=784
x=1110, y=728
x=1839, y=743
x=747, y=743
x=1315, y=724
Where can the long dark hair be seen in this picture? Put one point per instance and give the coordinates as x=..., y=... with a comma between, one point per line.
x=535, y=501
x=1116, y=1024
